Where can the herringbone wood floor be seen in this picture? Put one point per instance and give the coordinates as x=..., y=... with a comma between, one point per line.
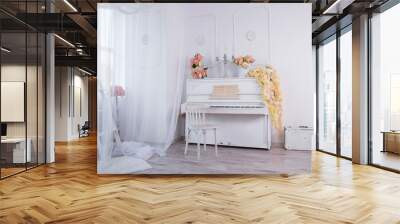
x=70, y=191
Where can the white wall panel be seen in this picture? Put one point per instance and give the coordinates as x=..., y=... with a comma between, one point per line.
x=281, y=38
x=200, y=36
x=12, y=101
x=251, y=33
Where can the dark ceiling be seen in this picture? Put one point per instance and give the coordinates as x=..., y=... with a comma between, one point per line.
x=75, y=21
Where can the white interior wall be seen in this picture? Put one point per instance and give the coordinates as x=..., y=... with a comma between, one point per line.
x=291, y=56
x=16, y=72
x=61, y=103
x=67, y=81
x=81, y=83
x=283, y=40
x=33, y=127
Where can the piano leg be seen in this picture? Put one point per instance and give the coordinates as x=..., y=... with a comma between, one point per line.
x=198, y=146
x=187, y=141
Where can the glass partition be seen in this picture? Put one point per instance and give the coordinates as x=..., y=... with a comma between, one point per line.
x=327, y=96
x=23, y=91
x=385, y=89
x=346, y=93
x=14, y=154
x=335, y=94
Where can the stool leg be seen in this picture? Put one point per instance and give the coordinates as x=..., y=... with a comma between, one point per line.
x=215, y=142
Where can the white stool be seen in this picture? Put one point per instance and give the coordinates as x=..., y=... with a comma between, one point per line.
x=197, y=124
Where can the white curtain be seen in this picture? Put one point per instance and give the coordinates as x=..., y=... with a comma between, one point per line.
x=140, y=79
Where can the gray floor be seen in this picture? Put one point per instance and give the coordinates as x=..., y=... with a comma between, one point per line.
x=230, y=160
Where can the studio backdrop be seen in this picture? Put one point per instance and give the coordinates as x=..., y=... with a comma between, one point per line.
x=149, y=53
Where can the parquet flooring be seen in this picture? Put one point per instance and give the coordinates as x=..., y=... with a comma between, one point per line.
x=10, y=171
x=70, y=191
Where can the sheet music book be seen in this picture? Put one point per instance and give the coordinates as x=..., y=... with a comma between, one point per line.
x=225, y=92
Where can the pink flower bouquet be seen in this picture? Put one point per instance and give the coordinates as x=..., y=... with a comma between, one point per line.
x=244, y=61
x=198, y=69
x=199, y=73
x=197, y=60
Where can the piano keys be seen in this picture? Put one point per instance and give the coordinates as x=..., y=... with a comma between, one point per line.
x=235, y=106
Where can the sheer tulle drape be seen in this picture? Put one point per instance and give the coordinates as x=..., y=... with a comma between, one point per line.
x=140, y=76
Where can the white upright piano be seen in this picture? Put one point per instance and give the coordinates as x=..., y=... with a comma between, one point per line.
x=235, y=106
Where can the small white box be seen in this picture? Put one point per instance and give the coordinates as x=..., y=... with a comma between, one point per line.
x=299, y=138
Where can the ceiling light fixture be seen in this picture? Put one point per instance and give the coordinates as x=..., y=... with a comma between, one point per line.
x=5, y=50
x=84, y=71
x=79, y=51
x=64, y=40
x=70, y=5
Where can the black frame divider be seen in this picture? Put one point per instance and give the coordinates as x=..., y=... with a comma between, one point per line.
x=317, y=97
x=26, y=89
x=37, y=91
x=338, y=83
x=369, y=100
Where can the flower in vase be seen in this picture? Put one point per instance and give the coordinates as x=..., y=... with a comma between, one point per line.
x=198, y=70
x=196, y=60
x=249, y=59
x=244, y=61
x=199, y=73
